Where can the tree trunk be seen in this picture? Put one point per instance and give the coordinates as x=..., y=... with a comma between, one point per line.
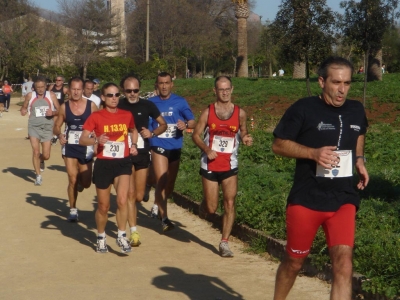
x=242, y=62
x=242, y=13
x=299, y=70
x=374, y=71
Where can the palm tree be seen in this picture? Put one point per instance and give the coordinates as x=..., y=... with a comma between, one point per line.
x=242, y=13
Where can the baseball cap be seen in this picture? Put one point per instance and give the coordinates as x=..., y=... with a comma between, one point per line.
x=96, y=80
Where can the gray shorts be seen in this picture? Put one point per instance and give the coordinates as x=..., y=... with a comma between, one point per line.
x=42, y=132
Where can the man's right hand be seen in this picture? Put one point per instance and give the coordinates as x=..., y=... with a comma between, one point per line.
x=326, y=156
x=211, y=154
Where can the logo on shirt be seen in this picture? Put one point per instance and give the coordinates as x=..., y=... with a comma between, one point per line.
x=322, y=126
x=167, y=113
x=213, y=126
x=233, y=128
x=355, y=127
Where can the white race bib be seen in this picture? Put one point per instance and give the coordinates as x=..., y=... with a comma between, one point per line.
x=73, y=137
x=343, y=169
x=114, y=149
x=140, y=142
x=170, y=132
x=40, y=111
x=223, y=144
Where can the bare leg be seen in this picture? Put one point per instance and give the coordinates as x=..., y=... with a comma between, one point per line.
x=103, y=206
x=71, y=165
x=35, y=154
x=121, y=184
x=137, y=186
x=160, y=166
x=229, y=190
x=286, y=276
x=342, y=268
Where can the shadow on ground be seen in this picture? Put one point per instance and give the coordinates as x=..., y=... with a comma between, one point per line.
x=195, y=286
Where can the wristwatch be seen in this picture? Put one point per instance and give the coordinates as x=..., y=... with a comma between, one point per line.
x=362, y=157
x=153, y=134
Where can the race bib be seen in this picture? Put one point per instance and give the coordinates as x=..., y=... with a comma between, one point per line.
x=170, y=132
x=140, y=142
x=114, y=149
x=73, y=137
x=40, y=111
x=343, y=169
x=223, y=144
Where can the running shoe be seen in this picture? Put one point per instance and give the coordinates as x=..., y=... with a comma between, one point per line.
x=124, y=244
x=154, y=211
x=134, y=239
x=101, y=245
x=224, y=250
x=38, y=180
x=54, y=141
x=167, y=225
x=73, y=216
x=42, y=166
x=146, y=196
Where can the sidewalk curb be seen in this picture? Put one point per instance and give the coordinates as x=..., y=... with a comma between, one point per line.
x=275, y=247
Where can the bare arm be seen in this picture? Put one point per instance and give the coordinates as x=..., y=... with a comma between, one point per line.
x=93, y=106
x=24, y=108
x=87, y=140
x=360, y=166
x=146, y=133
x=56, y=106
x=198, y=131
x=244, y=135
x=323, y=156
x=182, y=125
x=134, y=137
x=57, y=125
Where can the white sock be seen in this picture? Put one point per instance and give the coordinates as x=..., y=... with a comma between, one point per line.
x=73, y=211
x=133, y=229
x=121, y=233
x=103, y=235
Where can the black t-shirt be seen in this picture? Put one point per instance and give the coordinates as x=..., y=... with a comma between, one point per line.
x=141, y=111
x=313, y=123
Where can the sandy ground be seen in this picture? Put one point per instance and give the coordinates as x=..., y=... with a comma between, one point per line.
x=45, y=257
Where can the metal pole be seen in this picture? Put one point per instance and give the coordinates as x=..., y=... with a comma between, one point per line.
x=147, y=30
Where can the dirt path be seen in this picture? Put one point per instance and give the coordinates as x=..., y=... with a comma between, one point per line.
x=45, y=257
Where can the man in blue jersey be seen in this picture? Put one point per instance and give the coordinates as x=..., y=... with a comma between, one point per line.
x=78, y=159
x=166, y=147
x=141, y=110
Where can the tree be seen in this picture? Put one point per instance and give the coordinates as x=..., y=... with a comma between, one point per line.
x=94, y=26
x=242, y=13
x=305, y=30
x=365, y=23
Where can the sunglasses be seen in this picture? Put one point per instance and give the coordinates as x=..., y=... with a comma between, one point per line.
x=58, y=79
x=113, y=95
x=128, y=91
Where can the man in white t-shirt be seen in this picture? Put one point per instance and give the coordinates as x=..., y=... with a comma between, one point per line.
x=88, y=92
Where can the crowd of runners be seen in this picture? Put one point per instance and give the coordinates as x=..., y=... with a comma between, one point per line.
x=123, y=141
x=137, y=144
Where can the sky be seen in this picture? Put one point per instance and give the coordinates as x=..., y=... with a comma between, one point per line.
x=265, y=8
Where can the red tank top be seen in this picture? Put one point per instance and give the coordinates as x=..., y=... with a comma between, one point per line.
x=222, y=136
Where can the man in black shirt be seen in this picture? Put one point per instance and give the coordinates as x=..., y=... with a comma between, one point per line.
x=141, y=111
x=325, y=134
